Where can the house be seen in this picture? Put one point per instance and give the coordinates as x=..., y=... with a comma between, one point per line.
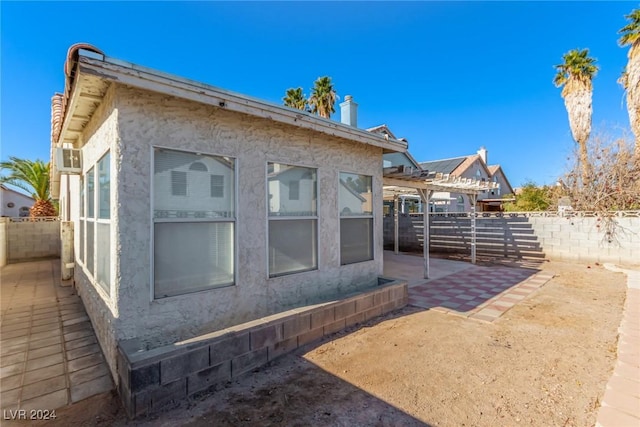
x=474, y=167
x=14, y=204
x=197, y=209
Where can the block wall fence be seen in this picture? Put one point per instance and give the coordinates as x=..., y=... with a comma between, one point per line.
x=579, y=237
x=27, y=239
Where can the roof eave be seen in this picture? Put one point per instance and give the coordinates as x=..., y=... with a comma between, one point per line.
x=113, y=70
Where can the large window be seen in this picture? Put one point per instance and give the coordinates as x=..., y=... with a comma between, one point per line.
x=91, y=200
x=95, y=222
x=293, y=219
x=194, y=243
x=356, y=218
x=82, y=221
x=103, y=224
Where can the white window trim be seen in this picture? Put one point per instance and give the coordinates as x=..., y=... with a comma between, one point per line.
x=152, y=222
x=269, y=218
x=363, y=216
x=85, y=219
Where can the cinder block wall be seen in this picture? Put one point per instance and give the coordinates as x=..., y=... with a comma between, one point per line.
x=521, y=236
x=32, y=240
x=149, y=380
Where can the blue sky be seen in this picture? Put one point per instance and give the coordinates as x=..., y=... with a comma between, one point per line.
x=448, y=76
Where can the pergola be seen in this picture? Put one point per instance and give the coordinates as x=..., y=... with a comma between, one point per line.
x=403, y=180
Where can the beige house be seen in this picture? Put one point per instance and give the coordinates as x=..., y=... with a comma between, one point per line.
x=473, y=167
x=196, y=208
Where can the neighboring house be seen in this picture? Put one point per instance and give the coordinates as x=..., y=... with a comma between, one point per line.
x=473, y=167
x=198, y=209
x=14, y=204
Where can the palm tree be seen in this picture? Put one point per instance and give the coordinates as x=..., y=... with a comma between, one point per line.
x=294, y=98
x=630, y=36
x=323, y=97
x=576, y=74
x=31, y=176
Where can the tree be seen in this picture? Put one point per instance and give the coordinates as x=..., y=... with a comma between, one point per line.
x=615, y=183
x=576, y=74
x=294, y=98
x=31, y=176
x=323, y=97
x=530, y=198
x=630, y=80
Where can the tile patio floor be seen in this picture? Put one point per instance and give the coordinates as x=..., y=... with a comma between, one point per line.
x=461, y=288
x=49, y=356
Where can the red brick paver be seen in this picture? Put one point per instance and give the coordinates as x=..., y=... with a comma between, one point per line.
x=481, y=293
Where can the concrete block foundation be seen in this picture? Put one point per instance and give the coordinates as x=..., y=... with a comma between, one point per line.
x=150, y=379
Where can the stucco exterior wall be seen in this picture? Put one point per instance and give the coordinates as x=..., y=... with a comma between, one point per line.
x=9, y=197
x=145, y=120
x=100, y=135
x=149, y=120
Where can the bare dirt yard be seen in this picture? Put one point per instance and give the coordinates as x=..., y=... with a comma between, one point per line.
x=544, y=362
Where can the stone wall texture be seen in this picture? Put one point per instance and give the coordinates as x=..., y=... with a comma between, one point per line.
x=524, y=236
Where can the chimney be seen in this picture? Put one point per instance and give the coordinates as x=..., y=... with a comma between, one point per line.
x=482, y=152
x=349, y=112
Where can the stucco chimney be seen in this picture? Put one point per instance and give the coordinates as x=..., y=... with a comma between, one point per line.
x=349, y=111
x=482, y=152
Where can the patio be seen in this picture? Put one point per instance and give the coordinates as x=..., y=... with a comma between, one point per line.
x=462, y=288
x=49, y=353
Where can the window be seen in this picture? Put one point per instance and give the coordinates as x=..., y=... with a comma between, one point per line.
x=103, y=224
x=90, y=219
x=217, y=185
x=178, y=183
x=294, y=190
x=460, y=203
x=194, y=237
x=82, y=221
x=95, y=222
x=293, y=221
x=356, y=218
x=198, y=166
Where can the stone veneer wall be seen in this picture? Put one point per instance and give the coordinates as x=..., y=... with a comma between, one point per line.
x=29, y=240
x=148, y=380
x=523, y=235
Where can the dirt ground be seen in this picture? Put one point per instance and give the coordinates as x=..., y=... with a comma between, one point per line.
x=544, y=362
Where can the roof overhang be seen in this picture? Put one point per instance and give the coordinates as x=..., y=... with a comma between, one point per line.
x=95, y=72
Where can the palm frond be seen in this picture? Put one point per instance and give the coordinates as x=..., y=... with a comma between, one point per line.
x=630, y=33
x=29, y=175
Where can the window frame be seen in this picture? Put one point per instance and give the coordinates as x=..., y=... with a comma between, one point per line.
x=360, y=216
x=153, y=220
x=270, y=218
x=93, y=221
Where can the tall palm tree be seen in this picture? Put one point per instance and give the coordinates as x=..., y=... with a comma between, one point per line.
x=294, y=98
x=630, y=80
x=576, y=74
x=323, y=97
x=31, y=176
